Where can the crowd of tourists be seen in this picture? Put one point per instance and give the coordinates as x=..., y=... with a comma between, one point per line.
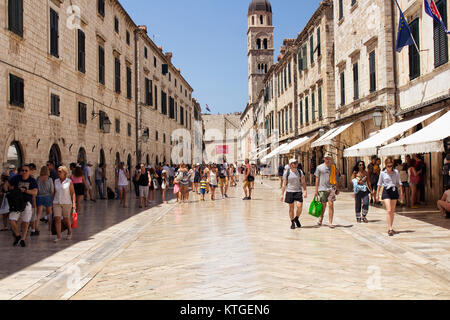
x=394, y=182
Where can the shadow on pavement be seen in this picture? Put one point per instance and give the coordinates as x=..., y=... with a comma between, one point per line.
x=94, y=218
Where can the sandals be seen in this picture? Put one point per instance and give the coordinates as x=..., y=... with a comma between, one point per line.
x=391, y=233
x=365, y=220
x=358, y=220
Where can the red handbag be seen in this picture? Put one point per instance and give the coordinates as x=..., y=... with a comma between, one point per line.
x=74, y=219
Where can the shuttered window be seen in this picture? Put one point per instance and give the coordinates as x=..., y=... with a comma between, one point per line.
x=117, y=74
x=372, y=72
x=290, y=118
x=181, y=115
x=15, y=16
x=301, y=112
x=311, y=48
x=82, y=113
x=171, y=108
x=319, y=51
x=306, y=111
x=16, y=91
x=81, y=51
x=101, y=7
x=129, y=129
x=163, y=102
x=342, y=89
x=129, y=95
x=355, y=82
x=341, y=10
x=116, y=24
x=148, y=92
x=414, y=56
x=54, y=105
x=156, y=97
x=54, y=33
x=319, y=98
x=289, y=75
x=440, y=37
x=313, y=106
x=128, y=37
x=117, y=126
x=101, y=65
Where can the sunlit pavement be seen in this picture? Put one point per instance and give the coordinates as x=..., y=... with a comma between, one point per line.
x=233, y=249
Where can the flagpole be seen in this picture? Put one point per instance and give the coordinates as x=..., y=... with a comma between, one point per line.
x=414, y=40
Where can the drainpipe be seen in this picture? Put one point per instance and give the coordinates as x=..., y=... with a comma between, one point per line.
x=396, y=98
x=136, y=96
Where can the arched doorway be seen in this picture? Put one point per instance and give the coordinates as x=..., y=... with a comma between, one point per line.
x=81, y=157
x=15, y=155
x=55, y=155
x=102, y=159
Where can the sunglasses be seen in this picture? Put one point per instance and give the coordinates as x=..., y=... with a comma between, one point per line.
x=24, y=171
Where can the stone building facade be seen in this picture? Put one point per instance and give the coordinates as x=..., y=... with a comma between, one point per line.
x=221, y=137
x=67, y=71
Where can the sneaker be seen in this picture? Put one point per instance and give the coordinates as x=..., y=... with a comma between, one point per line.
x=57, y=240
x=226, y=196
x=16, y=240
x=297, y=222
x=293, y=225
x=358, y=220
x=22, y=243
x=246, y=198
x=69, y=237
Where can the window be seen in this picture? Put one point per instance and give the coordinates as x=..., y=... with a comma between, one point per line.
x=261, y=19
x=313, y=106
x=170, y=77
x=171, y=108
x=319, y=52
x=311, y=48
x=440, y=37
x=101, y=7
x=54, y=33
x=353, y=2
x=175, y=83
x=163, y=102
x=305, y=57
x=82, y=113
x=117, y=126
x=54, y=105
x=101, y=65
x=116, y=24
x=372, y=68
x=156, y=135
x=81, y=51
x=301, y=112
x=128, y=37
x=15, y=16
x=129, y=130
x=342, y=89
x=306, y=111
x=265, y=44
x=290, y=118
x=319, y=100
x=355, y=82
x=341, y=10
x=117, y=74
x=145, y=52
x=258, y=44
x=154, y=62
x=129, y=95
x=101, y=118
x=414, y=57
x=181, y=115
x=289, y=70
x=176, y=111
x=156, y=97
x=285, y=79
x=164, y=138
x=148, y=92
x=16, y=91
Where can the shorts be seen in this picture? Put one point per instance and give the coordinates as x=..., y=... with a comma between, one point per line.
x=25, y=215
x=143, y=191
x=405, y=184
x=122, y=188
x=248, y=183
x=213, y=185
x=79, y=189
x=62, y=210
x=203, y=191
x=223, y=181
x=44, y=201
x=197, y=180
x=292, y=197
x=374, y=186
x=327, y=196
x=390, y=194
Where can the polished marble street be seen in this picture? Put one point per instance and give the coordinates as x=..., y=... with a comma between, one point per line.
x=233, y=249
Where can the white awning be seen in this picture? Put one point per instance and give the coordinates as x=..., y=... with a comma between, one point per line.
x=274, y=152
x=296, y=144
x=327, y=138
x=261, y=152
x=429, y=139
x=370, y=146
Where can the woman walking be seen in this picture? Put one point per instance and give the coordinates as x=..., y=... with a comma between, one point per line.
x=80, y=186
x=64, y=201
x=44, y=200
x=213, y=181
x=362, y=190
x=197, y=178
x=143, y=181
x=402, y=168
x=293, y=181
x=164, y=185
x=122, y=177
x=390, y=182
x=414, y=180
x=4, y=206
x=184, y=178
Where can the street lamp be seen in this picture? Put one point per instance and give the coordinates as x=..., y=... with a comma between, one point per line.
x=377, y=118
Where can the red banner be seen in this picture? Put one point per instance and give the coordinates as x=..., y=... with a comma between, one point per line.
x=222, y=149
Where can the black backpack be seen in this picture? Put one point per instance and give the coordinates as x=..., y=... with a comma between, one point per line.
x=16, y=200
x=111, y=194
x=221, y=172
x=300, y=172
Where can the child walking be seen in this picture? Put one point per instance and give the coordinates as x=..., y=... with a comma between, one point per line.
x=203, y=186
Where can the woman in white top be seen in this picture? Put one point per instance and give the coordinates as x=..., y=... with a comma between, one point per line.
x=122, y=177
x=213, y=181
x=64, y=201
x=390, y=182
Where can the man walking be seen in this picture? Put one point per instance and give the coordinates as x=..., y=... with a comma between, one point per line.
x=249, y=180
x=293, y=181
x=280, y=174
x=326, y=187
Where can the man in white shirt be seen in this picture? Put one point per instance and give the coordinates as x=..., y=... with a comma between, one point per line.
x=89, y=180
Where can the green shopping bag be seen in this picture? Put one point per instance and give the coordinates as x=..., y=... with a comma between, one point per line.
x=316, y=207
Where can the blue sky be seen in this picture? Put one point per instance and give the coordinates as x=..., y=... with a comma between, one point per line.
x=208, y=39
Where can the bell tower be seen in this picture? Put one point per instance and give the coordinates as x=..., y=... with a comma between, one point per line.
x=260, y=46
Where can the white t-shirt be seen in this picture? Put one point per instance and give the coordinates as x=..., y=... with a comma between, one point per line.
x=123, y=181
